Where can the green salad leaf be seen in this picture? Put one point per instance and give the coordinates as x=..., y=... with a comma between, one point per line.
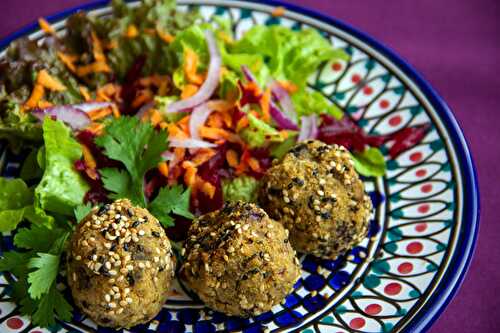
x=81, y=211
x=313, y=102
x=173, y=200
x=61, y=151
x=46, y=267
x=15, y=197
x=258, y=133
x=242, y=188
x=370, y=162
x=279, y=150
x=51, y=304
x=38, y=238
x=138, y=146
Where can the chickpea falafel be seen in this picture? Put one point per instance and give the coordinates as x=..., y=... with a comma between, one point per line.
x=239, y=261
x=120, y=265
x=317, y=195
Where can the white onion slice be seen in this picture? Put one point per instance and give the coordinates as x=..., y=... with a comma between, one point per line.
x=208, y=87
x=285, y=101
x=190, y=143
x=198, y=117
x=308, y=128
x=75, y=118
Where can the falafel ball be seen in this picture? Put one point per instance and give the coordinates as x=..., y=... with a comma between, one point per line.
x=120, y=265
x=239, y=261
x=317, y=195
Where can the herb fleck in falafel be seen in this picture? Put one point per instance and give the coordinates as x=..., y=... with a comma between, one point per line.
x=317, y=195
x=239, y=261
x=120, y=265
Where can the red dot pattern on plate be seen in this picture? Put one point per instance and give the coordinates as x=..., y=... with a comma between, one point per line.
x=14, y=323
x=336, y=66
x=423, y=208
x=426, y=188
x=393, y=288
x=415, y=157
x=395, y=121
x=405, y=267
x=357, y=323
x=420, y=172
x=367, y=90
x=414, y=247
x=373, y=309
x=421, y=227
x=384, y=104
x=356, y=78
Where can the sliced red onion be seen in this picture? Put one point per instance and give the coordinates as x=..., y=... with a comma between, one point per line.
x=198, y=117
x=91, y=106
x=208, y=87
x=69, y=114
x=145, y=108
x=285, y=101
x=190, y=143
x=281, y=119
x=248, y=74
x=308, y=128
x=167, y=155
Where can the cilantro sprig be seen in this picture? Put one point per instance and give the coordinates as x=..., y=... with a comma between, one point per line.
x=139, y=147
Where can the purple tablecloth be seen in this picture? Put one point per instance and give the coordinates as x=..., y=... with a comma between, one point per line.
x=456, y=46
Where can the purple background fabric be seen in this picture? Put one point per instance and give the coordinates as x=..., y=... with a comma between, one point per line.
x=456, y=46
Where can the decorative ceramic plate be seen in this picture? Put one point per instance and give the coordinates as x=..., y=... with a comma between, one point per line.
x=426, y=207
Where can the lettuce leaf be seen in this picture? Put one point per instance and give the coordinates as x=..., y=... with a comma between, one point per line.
x=258, y=133
x=242, y=188
x=313, y=102
x=15, y=197
x=62, y=188
x=370, y=162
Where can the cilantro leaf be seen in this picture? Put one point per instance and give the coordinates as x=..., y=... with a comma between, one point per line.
x=138, y=146
x=53, y=303
x=46, y=268
x=38, y=238
x=171, y=200
x=118, y=183
x=81, y=211
x=15, y=262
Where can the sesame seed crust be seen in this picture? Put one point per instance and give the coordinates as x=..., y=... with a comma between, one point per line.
x=316, y=194
x=239, y=261
x=118, y=283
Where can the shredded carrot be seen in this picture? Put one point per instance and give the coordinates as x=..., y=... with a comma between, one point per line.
x=190, y=176
x=144, y=96
x=202, y=156
x=99, y=114
x=242, y=123
x=254, y=164
x=163, y=88
x=190, y=66
x=163, y=125
x=97, y=48
x=45, y=26
x=155, y=117
x=165, y=36
x=284, y=134
x=188, y=91
x=288, y=86
x=132, y=31
x=184, y=121
x=253, y=87
x=243, y=166
x=163, y=168
x=95, y=128
x=95, y=67
x=214, y=133
x=88, y=158
x=175, y=131
x=227, y=119
x=36, y=95
x=220, y=105
x=68, y=60
x=49, y=82
x=264, y=105
x=112, y=44
x=215, y=120
x=232, y=158
x=208, y=189
x=116, y=112
x=278, y=11
x=85, y=93
x=179, y=153
x=44, y=104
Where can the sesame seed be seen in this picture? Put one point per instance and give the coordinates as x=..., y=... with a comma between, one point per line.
x=320, y=193
x=119, y=311
x=130, y=267
x=156, y=259
x=107, y=298
x=117, y=263
x=111, y=313
x=226, y=258
x=135, y=239
x=141, y=265
x=97, y=266
x=286, y=199
x=107, y=245
x=85, y=243
x=78, y=258
x=322, y=182
x=126, y=291
x=112, y=272
x=123, y=303
x=116, y=296
x=141, y=232
x=74, y=276
x=112, y=305
x=129, y=300
x=148, y=264
x=155, y=279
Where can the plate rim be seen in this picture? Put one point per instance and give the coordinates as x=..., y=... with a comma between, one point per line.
x=453, y=277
